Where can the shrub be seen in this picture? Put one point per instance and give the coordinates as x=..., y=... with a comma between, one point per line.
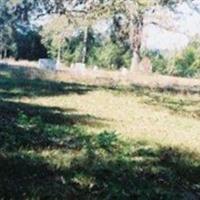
x=183, y=63
x=110, y=55
x=159, y=62
x=106, y=54
x=106, y=140
x=187, y=64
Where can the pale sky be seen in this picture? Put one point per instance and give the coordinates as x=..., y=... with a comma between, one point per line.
x=187, y=22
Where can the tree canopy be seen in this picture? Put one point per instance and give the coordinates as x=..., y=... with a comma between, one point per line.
x=83, y=13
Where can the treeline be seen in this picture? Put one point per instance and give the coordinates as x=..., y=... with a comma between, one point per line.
x=114, y=49
x=28, y=46
x=24, y=46
x=113, y=52
x=18, y=38
x=100, y=51
x=185, y=63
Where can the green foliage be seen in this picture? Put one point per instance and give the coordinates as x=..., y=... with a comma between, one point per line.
x=27, y=123
x=7, y=19
x=28, y=45
x=103, y=54
x=110, y=55
x=187, y=64
x=50, y=43
x=18, y=39
x=72, y=49
x=106, y=140
x=159, y=62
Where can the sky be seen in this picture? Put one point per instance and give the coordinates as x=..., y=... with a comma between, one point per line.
x=186, y=21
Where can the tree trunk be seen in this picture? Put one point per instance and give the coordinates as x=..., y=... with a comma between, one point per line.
x=135, y=61
x=5, y=53
x=85, y=40
x=136, y=29
x=58, y=56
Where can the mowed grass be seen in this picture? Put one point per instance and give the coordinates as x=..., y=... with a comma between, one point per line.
x=162, y=118
x=72, y=140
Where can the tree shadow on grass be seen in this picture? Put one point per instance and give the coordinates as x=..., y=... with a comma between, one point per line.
x=165, y=97
x=23, y=81
x=105, y=169
x=30, y=82
x=53, y=115
x=169, y=100
x=45, y=153
x=39, y=126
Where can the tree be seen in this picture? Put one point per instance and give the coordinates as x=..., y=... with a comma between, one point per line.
x=94, y=9
x=135, y=10
x=28, y=45
x=7, y=20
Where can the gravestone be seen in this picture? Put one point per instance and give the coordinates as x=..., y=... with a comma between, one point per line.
x=124, y=71
x=47, y=64
x=95, y=68
x=78, y=68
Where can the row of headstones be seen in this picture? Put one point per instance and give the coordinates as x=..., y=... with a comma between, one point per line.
x=49, y=64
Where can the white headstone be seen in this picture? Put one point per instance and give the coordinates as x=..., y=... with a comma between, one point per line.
x=124, y=71
x=95, y=68
x=47, y=64
x=78, y=68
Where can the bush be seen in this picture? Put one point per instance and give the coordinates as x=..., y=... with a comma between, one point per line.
x=187, y=64
x=110, y=55
x=159, y=62
x=106, y=54
x=106, y=140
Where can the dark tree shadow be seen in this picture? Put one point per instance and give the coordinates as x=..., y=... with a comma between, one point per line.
x=106, y=171
x=24, y=81
x=25, y=125
x=164, y=97
x=53, y=115
x=156, y=97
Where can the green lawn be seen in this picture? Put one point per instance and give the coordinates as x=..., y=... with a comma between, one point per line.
x=70, y=140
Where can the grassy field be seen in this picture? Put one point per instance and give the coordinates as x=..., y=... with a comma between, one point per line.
x=72, y=139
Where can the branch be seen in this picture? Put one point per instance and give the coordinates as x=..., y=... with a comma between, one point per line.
x=192, y=6
x=67, y=12
x=168, y=28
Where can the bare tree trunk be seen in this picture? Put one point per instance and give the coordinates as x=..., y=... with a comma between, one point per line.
x=58, y=56
x=85, y=40
x=135, y=61
x=136, y=29
x=5, y=53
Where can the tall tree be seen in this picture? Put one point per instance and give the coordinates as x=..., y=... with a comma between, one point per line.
x=94, y=9
x=7, y=20
x=135, y=11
